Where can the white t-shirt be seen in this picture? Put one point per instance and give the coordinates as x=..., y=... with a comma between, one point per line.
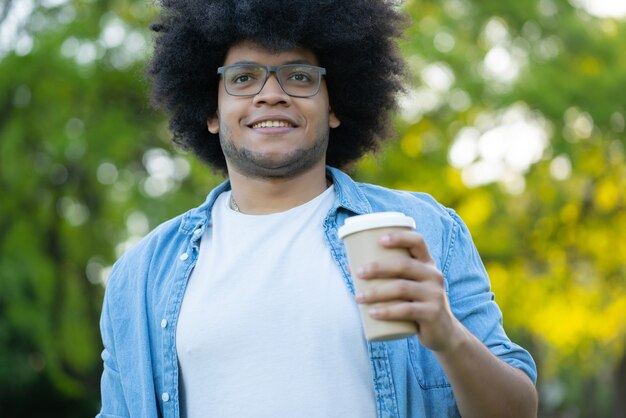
x=267, y=327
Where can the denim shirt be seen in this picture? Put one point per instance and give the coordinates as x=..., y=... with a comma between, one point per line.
x=146, y=287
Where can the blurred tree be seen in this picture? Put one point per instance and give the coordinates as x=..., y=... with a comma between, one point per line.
x=514, y=117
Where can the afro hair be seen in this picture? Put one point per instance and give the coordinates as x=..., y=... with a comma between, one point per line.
x=353, y=39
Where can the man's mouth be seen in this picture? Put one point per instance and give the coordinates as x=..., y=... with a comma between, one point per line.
x=272, y=124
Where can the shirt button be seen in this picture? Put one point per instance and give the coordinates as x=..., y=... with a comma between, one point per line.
x=163, y=323
x=165, y=396
x=184, y=256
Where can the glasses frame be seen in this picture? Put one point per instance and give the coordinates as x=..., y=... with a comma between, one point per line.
x=269, y=69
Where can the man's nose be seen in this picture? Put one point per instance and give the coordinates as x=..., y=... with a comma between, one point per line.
x=272, y=92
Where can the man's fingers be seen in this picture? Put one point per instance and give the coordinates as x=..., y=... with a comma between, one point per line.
x=410, y=240
x=397, y=290
x=403, y=311
x=400, y=267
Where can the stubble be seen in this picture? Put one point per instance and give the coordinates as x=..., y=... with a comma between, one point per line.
x=258, y=165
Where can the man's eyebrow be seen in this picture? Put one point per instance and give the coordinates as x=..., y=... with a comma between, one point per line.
x=296, y=61
x=245, y=62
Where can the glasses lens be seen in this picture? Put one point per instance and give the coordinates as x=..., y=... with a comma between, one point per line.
x=244, y=79
x=299, y=80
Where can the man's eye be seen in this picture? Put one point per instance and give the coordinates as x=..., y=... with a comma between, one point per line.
x=242, y=78
x=303, y=77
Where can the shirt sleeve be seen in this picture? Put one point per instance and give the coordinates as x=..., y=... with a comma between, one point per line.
x=112, y=393
x=473, y=303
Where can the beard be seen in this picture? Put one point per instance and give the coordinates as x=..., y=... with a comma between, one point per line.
x=259, y=165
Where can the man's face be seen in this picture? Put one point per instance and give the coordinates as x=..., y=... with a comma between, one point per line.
x=257, y=148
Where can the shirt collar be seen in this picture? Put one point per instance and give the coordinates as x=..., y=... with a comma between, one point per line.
x=348, y=192
x=199, y=218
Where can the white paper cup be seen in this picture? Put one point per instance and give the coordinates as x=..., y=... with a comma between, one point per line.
x=360, y=235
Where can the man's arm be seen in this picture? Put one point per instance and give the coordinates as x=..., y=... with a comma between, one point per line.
x=113, y=403
x=483, y=385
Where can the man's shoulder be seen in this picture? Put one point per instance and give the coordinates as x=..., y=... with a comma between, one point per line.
x=174, y=230
x=379, y=198
x=159, y=246
x=162, y=234
x=148, y=246
x=418, y=203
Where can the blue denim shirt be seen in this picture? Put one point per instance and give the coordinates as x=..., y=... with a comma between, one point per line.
x=146, y=287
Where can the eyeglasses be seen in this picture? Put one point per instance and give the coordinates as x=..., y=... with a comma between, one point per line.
x=297, y=80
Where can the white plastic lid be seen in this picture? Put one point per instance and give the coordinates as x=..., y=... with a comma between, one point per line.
x=375, y=220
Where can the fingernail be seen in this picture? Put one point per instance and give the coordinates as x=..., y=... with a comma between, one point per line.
x=385, y=239
x=359, y=297
x=360, y=272
x=374, y=312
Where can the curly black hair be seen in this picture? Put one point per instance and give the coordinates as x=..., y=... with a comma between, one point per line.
x=353, y=39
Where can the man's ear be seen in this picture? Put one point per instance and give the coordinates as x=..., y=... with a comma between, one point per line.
x=333, y=120
x=213, y=124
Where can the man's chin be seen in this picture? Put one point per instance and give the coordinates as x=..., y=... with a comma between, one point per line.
x=273, y=167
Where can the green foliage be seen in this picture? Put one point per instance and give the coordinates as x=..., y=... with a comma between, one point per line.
x=87, y=168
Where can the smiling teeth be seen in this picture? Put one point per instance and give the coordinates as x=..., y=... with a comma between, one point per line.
x=272, y=124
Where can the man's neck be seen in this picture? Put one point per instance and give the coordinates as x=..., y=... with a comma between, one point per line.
x=259, y=196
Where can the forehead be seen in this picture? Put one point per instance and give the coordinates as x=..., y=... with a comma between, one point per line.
x=254, y=53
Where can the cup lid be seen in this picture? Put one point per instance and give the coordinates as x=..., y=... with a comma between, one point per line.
x=375, y=220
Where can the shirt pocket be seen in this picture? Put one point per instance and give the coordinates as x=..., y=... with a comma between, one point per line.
x=427, y=369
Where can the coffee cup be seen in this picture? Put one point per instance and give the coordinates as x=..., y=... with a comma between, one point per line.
x=360, y=235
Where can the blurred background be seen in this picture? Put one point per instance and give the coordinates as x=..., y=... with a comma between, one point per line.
x=515, y=116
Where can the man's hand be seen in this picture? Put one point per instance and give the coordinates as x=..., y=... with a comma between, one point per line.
x=418, y=286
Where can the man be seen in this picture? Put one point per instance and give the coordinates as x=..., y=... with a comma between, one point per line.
x=244, y=306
